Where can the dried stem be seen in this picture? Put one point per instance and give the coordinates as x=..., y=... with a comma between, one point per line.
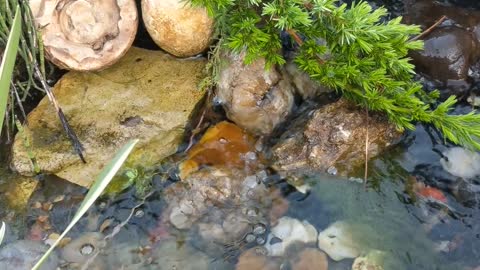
x=430, y=29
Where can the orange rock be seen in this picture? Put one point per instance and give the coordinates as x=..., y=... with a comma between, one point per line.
x=224, y=144
x=252, y=260
x=310, y=259
x=429, y=192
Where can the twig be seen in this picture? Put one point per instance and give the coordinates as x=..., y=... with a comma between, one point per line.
x=430, y=29
x=299, y=41
x=66, y=126
x=366, y=152
x=295, y=36
x=117, y=228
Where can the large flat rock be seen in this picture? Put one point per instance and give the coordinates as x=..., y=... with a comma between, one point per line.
x=147, y=95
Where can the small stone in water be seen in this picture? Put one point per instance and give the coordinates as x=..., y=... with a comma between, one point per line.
x=139, y=213
x=262, y=176
x=249, y=238
x=251, y=212
x=59, y=198
x=261, y=251
x=259, y=229
x=87, y=249
x=261, y=240
x=102, y=205
x=332, y=170
x=251, y=156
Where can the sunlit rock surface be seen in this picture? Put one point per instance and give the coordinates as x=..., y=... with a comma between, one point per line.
x=147, y=95
x=253, y=97
x=177, y=27
x=332, y=136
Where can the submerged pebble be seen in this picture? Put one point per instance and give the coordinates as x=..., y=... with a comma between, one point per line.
x=255, y=259
x=289, y=231
x=337, y=241
x=310, y=259
x=461, y=162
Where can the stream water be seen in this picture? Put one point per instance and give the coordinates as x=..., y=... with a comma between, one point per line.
x=384, y=216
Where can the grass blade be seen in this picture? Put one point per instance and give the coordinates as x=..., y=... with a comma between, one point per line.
x=2, y=232
x=8, y=63
x=95, y=191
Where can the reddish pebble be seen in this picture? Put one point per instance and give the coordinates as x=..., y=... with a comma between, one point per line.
x=431, y=193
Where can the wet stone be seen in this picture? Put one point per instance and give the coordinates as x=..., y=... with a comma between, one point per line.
x=332, y=135
x=451, y=49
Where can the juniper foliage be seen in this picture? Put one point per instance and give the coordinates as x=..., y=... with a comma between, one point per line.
x=353, y=50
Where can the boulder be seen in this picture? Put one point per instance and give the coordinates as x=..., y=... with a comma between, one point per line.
x=177, y=27
x=332, y=136
x=147, y=95
x=452, y=47
x=253, y=97
x=448, y=54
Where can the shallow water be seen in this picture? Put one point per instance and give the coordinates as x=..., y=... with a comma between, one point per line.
x=385, y=216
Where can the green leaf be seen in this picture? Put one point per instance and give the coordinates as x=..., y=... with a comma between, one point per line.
x=95, y=191
x=2, y=232
x=8, y=63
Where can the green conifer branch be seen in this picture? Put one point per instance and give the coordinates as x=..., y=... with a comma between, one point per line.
x=352, y=50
